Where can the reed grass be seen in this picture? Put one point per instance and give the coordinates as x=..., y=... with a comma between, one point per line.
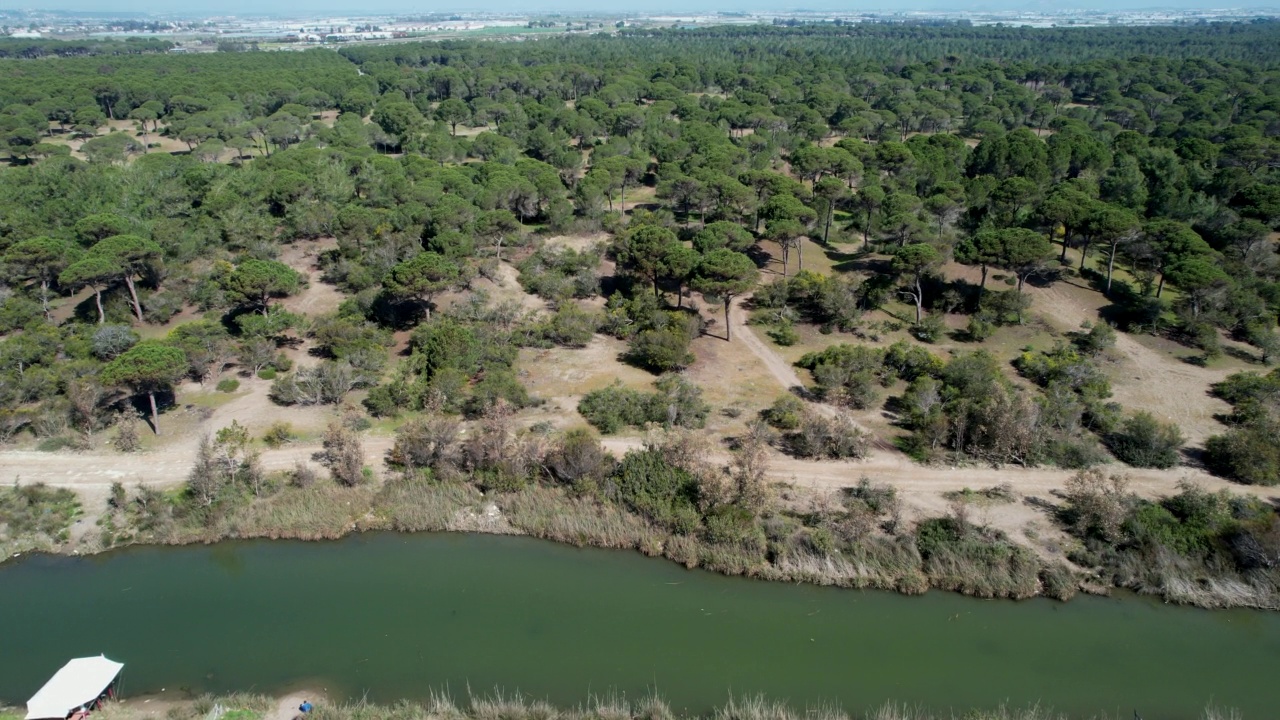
x=508, y=706
x=550, y=514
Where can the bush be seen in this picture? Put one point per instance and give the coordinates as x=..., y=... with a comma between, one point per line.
x=278, y=434
x=1143, y=441
x=228, y=385
x=784, y=334
x=343, y=454
x=660, y=351
x=676, y=403
x=38, y=509
x=930, y=329
x=127, y=439
x=1246, y=453
x=979, y=329
x=323, y=384
x=651, y=486
x=785, y=413
x=571, y=326
x=579, y=461
x=1095, y=339
x=834, y=438
x=267, y=373
x=110, y=341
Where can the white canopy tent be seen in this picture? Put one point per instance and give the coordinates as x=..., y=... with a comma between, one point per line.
x=79, y=682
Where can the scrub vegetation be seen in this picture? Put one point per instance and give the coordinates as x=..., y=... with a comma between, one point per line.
x=442, y=706
x=1010, y=248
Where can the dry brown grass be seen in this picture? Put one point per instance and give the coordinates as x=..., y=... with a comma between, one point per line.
x=441, y=705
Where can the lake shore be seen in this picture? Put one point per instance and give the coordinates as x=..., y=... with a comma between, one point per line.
x=244, y=706
x=879, y=560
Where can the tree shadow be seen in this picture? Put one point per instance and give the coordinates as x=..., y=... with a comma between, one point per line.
x=1241, y=354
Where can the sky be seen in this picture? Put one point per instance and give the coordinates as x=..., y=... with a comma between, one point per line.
x=314, y=7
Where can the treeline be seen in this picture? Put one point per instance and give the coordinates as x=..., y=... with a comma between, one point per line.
x=921, y=42
x=31, y=49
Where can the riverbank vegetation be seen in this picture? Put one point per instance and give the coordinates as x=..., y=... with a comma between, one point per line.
x=1006, y=247
x=442, y=706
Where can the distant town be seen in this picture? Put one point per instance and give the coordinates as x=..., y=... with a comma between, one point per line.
x=196, y=34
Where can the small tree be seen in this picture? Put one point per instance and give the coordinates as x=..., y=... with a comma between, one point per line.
x=1197, y=278
x=423, y=276
x=255, y=282
x=982, y=249
x=148, y=367
x=725, y=274
x=914, y=262
x=643, y=250
x=453, y=111
x=1143, y=441
x=129, y=255
x=94, y=272
x=40, y=260
x=343, y=454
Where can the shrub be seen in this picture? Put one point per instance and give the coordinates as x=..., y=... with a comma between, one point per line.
x=323, y=384
x=660, y=351
x=343, y=454
x=110, y=341
x=1143, y=441
x=653, y=487
x=571, y=326
x=127, y=439
x=833, y=438
x=38, y=509
x=228, y=385
x=677, y=402
x=979, y=329
x=1246, y=453
x=578, y=460
x=784, y=334
x=267, y=373
x=426, y=443
x=1095, y=339
x=930, y=329
x=785, y=413
x=278, y=434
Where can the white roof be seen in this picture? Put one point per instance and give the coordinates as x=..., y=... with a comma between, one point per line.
x=79, y=682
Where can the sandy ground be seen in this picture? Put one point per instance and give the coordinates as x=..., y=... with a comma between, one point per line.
x=287, y=707
x=563, y=375
x=318, y=297
x=746, y=373
x=1149, y=379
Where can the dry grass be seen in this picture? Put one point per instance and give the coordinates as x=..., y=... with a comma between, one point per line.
x=500, y=706
x=550, y=514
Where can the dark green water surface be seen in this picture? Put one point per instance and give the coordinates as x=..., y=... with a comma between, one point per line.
x=398, y=615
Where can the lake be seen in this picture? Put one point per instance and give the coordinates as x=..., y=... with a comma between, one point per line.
x=395, y=615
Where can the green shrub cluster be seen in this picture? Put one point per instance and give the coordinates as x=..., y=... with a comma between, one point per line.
x=833, y=303
x=1249, y=451
x=849, y=374
x=560, y=274
x=454, y=365
x=677, y=403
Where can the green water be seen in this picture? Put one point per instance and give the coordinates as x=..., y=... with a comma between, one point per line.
x=396, y=615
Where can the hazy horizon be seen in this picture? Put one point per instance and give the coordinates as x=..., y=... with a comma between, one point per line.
x=407, y=7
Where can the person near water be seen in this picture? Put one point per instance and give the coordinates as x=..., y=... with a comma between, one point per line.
x=305, y=706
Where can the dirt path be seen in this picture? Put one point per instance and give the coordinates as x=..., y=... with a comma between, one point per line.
x=742, y=332
x=1163, y=385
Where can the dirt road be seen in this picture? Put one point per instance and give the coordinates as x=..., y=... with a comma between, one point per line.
x=1176, y=390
